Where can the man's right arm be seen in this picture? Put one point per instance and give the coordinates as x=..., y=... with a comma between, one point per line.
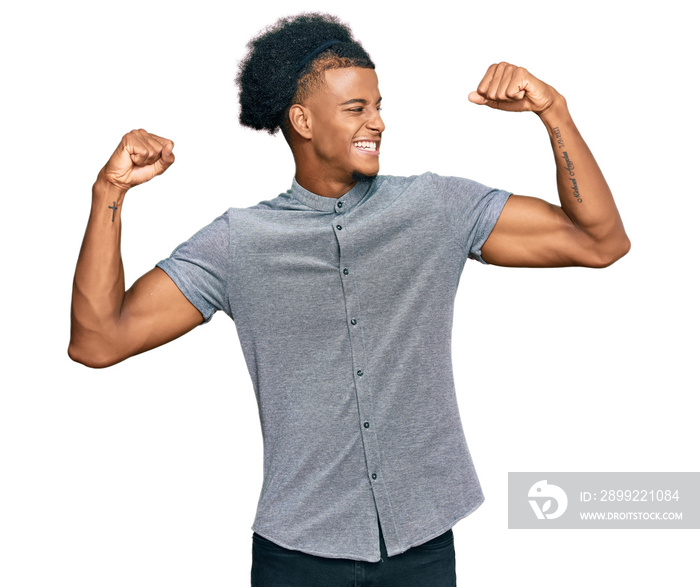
x=108, y=323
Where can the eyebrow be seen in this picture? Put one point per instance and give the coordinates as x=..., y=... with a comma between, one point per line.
x=358, y=100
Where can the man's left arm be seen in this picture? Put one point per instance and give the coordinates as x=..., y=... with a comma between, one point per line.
x=586, y=230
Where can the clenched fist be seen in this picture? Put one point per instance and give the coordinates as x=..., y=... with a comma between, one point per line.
x=513, y=88
x=139, y=157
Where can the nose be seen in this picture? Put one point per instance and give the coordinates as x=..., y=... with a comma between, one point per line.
x=376, y=123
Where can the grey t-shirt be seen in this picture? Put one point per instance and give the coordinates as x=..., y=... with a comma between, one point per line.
x=343, y=309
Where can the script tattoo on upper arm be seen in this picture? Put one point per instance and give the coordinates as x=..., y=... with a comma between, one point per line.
x=569, y=164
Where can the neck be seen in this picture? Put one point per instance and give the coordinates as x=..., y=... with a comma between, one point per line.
x=313, y=176
x=324, y=186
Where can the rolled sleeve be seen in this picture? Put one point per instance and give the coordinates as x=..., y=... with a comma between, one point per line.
x=199, y=268
x=472, y=209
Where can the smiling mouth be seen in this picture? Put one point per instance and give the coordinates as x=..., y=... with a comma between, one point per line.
x=369, y=147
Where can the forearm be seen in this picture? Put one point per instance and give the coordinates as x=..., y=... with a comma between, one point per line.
x=98, y=286
x=583, y=192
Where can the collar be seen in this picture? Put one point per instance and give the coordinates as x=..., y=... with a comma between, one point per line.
x=325, y=204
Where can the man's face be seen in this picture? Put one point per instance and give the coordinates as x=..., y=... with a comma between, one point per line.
x=345, y=123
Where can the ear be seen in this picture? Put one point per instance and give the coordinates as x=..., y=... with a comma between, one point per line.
x=300, y=120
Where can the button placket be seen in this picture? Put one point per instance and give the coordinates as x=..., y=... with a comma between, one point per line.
x=361, y=379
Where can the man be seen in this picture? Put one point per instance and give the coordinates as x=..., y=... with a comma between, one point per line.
x=342, y=292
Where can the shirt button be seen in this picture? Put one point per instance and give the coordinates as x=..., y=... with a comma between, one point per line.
x=353, y=322
x=366, y=424
x=340, y=204
x=360, y=372
x=339, y=227
x=345, y=271
x=374, y=475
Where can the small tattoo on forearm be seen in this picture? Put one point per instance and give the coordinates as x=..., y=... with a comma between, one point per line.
x=113, y=208
x=557, y=135
x=575, y=189
x=569, y=164
x=570, y=168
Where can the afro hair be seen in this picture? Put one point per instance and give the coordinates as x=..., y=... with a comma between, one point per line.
x=281, y=67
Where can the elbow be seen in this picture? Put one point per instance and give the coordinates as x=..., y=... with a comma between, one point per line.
x=90, y=357
x=96, y=347
x=624, y=248
x=611, y=252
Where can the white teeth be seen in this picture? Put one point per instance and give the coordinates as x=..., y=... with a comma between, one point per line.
x=366, y=145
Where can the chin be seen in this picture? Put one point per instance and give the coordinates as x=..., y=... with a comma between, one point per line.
x=359, y=176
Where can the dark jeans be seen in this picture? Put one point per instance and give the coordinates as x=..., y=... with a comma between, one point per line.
x=428, y=565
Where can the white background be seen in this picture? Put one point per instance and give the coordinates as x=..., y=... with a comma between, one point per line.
x=148, y=473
